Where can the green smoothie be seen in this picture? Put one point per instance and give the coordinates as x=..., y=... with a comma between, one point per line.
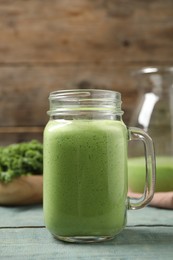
x=85, y=177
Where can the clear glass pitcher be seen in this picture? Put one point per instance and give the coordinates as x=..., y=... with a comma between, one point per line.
x=85, y=166
x=153, y=113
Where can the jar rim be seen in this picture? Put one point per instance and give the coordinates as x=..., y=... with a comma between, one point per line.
x=153, y=70
x=85, y=93
x=74, y=100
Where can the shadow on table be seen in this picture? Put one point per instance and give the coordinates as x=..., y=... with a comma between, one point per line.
x=144, y=235
x=137, y=236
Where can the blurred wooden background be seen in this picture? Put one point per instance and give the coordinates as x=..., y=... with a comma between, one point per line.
x=47, y=45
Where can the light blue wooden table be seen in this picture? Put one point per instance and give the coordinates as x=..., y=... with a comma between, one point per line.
x=148, y=235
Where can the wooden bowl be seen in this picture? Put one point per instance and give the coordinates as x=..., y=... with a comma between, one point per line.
x=22, y=191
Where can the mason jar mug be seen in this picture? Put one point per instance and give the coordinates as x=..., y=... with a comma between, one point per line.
x=85, y=166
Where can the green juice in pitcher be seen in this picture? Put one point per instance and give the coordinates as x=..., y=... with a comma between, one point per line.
x=164, y=176
x=85, y=171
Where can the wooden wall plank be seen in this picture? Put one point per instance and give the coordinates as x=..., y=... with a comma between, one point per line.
x=9, y=138
x=24, y=90
x=86, y=31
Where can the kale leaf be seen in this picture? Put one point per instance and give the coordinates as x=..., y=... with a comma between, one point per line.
x=21, y=159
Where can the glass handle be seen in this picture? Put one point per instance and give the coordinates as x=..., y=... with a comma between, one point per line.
x=140, y=135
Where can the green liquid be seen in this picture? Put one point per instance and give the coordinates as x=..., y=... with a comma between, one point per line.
x=85, y=177
x=164, y=174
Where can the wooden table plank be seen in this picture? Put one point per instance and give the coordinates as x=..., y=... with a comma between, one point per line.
x=150, y=216
x=21, y=216
x=33, y=216
x=132, y=243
